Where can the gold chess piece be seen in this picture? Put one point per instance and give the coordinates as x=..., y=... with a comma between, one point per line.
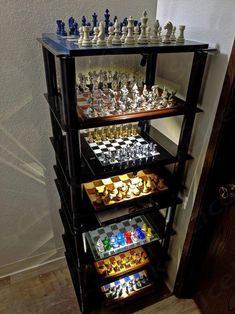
x=108, y=132
x=103, y=135
x=90, y=137
x=121, y=130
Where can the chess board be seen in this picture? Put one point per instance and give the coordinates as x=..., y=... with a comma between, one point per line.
x=122, y=263
x=112, y=230
x=113, y=145
x=98, y=186
x=126, y=287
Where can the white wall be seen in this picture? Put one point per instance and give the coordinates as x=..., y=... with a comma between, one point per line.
x=30, y=228
x=213, y=22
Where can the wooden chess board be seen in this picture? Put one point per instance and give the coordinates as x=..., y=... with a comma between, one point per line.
x=126, y=287
x=122, y=263
x=111, y=185
x=111, y=230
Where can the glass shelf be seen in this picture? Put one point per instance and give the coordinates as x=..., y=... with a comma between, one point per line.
x=112, y=230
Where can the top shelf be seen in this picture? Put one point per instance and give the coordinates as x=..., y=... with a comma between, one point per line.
x=62, y=47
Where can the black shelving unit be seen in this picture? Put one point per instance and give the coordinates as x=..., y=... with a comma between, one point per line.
x=76, y=165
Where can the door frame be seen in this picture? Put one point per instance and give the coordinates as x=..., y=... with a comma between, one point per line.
x=185, y=285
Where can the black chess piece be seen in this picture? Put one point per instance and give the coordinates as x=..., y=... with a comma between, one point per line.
x=127, y=290
x=120, y=293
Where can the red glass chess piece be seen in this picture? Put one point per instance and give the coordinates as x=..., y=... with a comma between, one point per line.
x=127, y=236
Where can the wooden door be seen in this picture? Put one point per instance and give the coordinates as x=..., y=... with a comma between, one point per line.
x=207, y=268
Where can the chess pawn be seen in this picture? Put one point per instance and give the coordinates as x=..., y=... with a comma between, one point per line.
x=173, y=38
x=136, y=32
x=101, y=36
x=96, y=32
x=81, y=32
x=166, y=38
x=129, y=40
x=180, y=38
x=86, y=41
x=148, y=33
x=143, y=37
x=116, y=39
x=155, y=37
x=111, y=34
x=124, y=34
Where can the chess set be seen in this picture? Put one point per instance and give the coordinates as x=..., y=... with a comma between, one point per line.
x=112, y=33
x=126, y=287
x=123, y=263
x=119, y=144
x=98, y=96
x=125, y=187
x=120, y=237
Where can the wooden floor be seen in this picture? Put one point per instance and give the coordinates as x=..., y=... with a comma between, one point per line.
x=48, y=289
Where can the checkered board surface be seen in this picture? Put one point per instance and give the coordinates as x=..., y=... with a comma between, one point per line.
x=122, y=263
x=117, y=181
x=127, y=286
x=110, y=230
x=115, y=144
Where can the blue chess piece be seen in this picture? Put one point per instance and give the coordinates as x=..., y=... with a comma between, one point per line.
x=71, y=25
x=95, y=20
x=83, y=20
x=106, y=18
x=76, y=32
x=121, y=239
x=135, y=22
x=125, y=22
x=58, y=22
x=140, y=232
x=63, y=32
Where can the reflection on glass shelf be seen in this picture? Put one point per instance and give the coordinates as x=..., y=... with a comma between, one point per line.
x=119, y=237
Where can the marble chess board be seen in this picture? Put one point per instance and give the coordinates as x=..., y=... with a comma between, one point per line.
x=112, y=230
x=122, y=263
x=127, y=180
x=114, y=146
x=127, y=286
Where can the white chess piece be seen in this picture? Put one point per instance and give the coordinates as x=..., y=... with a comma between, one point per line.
x=148, y=33
x=166, y=38
x=143, y=38
x=116, y=39
x=155, y=37
x=130, y=40
x=111, y=34
x=81, y=35
x=136, y=32
x=160, y=34
x=124, y=34
x=101, y=36
x=180, y=38
x=96, y=32
x=86, y=41
x=173, y=38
